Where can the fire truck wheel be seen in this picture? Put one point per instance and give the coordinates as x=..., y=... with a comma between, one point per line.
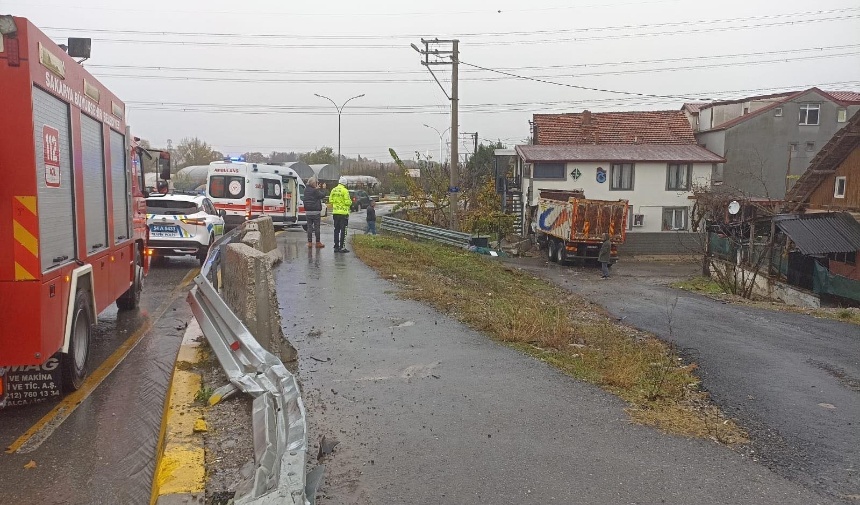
x=74, y=364
x=131, y=298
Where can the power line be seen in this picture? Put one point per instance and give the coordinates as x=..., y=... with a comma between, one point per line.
x=264, y=80
x=330, y=14
x=613, y=36
x=433, y=108
x=575, y=86
x=506, y=34
x=413, y=72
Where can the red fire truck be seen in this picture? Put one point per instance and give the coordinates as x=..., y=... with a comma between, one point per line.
x=73, y=219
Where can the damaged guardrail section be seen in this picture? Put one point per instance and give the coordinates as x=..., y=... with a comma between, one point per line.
x=454, y=238
x=279, y=421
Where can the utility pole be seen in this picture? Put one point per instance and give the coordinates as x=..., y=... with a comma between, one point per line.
x=441, y=57
x=454, y=190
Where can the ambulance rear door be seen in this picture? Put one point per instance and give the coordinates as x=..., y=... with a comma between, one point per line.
x=272, y=196
x=291, y=199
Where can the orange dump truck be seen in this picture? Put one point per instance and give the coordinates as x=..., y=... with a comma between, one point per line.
x=571, y=227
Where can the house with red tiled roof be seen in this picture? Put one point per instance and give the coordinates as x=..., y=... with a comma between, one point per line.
x=768, y=141
x=649, y=158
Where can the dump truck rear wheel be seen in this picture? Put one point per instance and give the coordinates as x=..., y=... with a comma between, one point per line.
x=550, y=250
x=560, y=253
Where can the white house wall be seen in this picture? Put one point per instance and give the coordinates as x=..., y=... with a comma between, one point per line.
x=648, y=197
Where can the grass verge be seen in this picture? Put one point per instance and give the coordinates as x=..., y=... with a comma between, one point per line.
x=709, y=287
x=699, y=284
x=558, y=327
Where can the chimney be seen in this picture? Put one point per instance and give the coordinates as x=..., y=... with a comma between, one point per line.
x=586, y=118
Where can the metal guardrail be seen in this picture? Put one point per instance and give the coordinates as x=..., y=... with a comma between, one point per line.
x=279, y=421
x=454, y=238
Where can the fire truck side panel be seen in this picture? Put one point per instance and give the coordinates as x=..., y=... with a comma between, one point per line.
x=55, y=199
x=120, y=190
x=92, y=154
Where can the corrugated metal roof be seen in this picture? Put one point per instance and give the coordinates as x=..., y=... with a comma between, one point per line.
x=618, y=152
x=816, y=234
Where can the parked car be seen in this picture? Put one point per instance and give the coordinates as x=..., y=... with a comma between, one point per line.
x=182, y=225
x=360, y=200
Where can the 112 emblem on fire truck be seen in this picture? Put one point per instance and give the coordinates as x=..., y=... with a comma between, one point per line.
x=51, y=140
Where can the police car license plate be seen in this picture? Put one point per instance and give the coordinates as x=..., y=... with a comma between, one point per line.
x=160, y=230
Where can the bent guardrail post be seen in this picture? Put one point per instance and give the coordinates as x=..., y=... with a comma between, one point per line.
x=278, y=417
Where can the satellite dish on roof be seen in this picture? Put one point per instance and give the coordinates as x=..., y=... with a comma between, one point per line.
x=734, y=207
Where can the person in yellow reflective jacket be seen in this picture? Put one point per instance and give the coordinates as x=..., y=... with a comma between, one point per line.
x=341, y=203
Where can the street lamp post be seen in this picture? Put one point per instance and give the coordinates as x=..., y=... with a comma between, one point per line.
x=339, y=110
x=440, y=140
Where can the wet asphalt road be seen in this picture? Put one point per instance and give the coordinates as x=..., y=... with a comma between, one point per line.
x=792, y=380
x=104, y=452
x=429, y=411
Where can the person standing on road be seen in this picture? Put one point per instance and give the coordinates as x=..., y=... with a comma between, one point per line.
x=371, y=218
x=341, y=202
x=605, y=255
x=313, y=210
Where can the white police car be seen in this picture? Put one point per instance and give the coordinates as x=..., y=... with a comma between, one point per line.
x=182, y=224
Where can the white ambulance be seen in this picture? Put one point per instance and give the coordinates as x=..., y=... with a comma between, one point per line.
x=247, y=191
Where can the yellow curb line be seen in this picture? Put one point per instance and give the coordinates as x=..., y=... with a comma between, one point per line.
x=181, y=466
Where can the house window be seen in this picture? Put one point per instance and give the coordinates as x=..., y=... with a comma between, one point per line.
x=674, y=218
x=621, y=176
x=810, y=146
x=809, y=113
x=839, y=190
x=841, y=116
x=678, y=177
x=777, y=112
x=549, y=171
x=717, y=172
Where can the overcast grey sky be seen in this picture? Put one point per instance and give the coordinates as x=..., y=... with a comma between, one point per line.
x=242, y=75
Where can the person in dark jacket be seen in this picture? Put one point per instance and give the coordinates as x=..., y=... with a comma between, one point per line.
x=371, y=218
x=605, y=256
x=313, y=210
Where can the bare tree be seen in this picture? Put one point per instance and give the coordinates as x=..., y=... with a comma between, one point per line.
x=193, y=151
x=747, y=238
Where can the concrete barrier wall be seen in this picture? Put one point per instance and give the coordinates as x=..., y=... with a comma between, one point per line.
x=666, y=242
x=260, y=234
x=249, y=286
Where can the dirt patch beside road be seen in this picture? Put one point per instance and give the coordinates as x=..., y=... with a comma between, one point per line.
x=229, y=442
